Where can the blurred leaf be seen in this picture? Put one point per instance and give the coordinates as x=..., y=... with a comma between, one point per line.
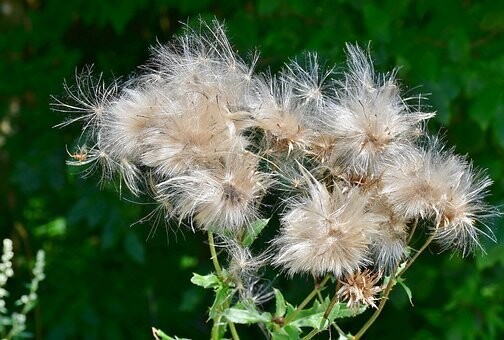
x=486, y=105
x=134, y=248
x=191, y=299
x=54, y=228
x=377, y=22
x=267, y=7
x=458, y=45
x=187, y=261
x=494, y=257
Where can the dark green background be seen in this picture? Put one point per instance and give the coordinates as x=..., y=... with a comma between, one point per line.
x=104, y=280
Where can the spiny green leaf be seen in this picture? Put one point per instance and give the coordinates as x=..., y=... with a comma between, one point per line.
x=314, y=316
x=160, y=335
x=406, y=289
x=280, y=303
x=246, y=316
x=253, y=231
x=288, y=332
x=222, y=295
x=207, y=281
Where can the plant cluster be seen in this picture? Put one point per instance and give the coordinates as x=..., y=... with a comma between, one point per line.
x=13, y=325
x=343, y=157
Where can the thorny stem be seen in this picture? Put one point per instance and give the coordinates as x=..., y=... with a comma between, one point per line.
x=390, y=284
x=310, y=296
x=218, y=270
x=413, y=228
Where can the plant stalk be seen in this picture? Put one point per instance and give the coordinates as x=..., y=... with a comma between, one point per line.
x=218, y=271
x=390, y=284
x=310, y=296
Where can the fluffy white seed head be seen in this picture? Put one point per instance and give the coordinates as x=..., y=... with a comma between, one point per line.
x=438, y=184
x=194, y=136
x=221, y=199
x=389, y=244
x=277, y=112
x=326, y=232
x=127, y=121
x=462, y=212
x=369, y=118
x=309, y=82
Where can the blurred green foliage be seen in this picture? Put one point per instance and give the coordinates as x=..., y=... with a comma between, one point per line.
x=104, y=280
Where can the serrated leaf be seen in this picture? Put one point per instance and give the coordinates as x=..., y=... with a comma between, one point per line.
x=246, y=316
x=288, y=332
x=222, y=294
x=281, y=308
x=314, y=316
x=160, y=335
x=253, y=231
x=206, y=281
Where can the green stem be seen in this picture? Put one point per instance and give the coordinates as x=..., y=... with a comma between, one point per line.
x=215, y=329
x=234, y=333
x=310, y=296
x=413, y=228
x=390, y=284
x=213, y=254
x=410, y=262
x=218, y=271
x=327, y=312
x=330, y=307
x=377, y=312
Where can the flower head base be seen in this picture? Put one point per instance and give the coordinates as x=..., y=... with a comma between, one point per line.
x=360, y=288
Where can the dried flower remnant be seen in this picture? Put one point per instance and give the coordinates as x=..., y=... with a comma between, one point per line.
x=244, y=267
x=359, y=288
